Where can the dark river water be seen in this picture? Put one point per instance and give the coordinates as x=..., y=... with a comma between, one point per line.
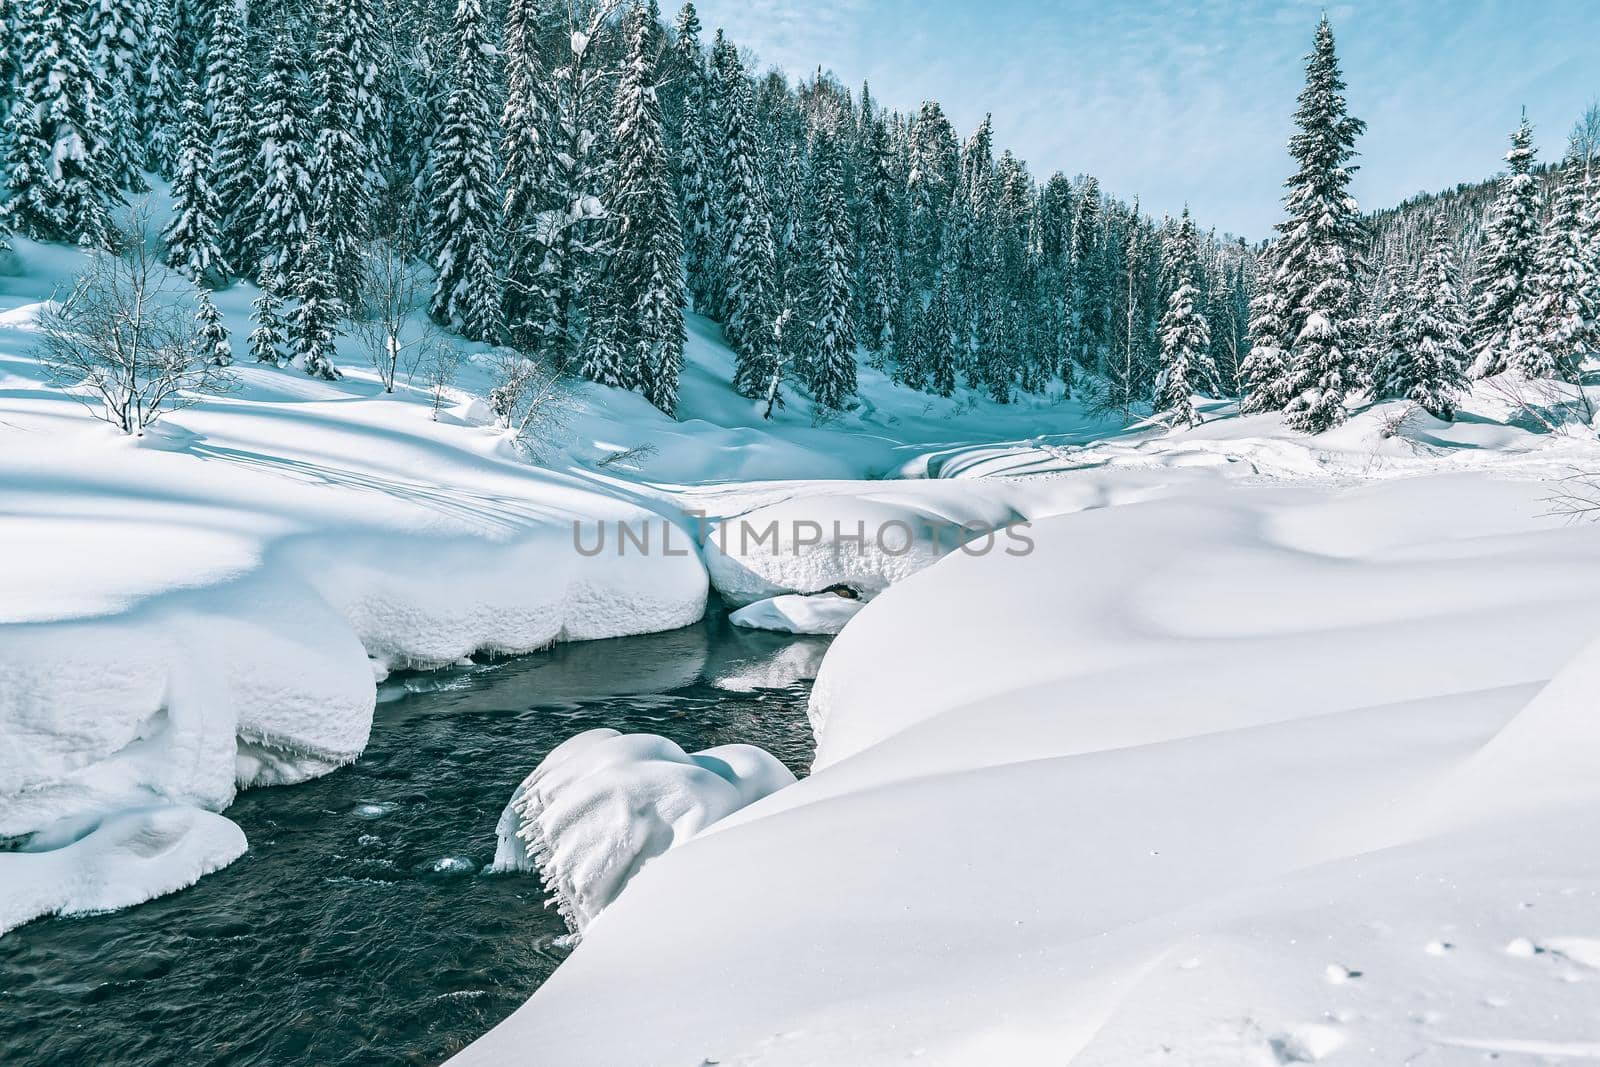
x=351, y=932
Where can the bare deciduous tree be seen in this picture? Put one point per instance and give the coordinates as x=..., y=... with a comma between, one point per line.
x=124, y=340
x=530, y=396
x=393, y=285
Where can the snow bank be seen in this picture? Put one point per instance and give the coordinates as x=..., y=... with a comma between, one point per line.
x=126, y=859
x=1161, y=791
x=820, y=613
x=602, y=804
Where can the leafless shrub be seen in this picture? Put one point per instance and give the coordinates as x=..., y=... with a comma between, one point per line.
x=530, y=398
x=440, y=363
x=391, y=287
x=628, y=457
x=1542, y=404
x=124, y=340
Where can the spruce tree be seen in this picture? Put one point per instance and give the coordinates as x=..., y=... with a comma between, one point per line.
x=1506, y=258
x=279, y=210
x=161, y=89
x=269, y=339
x=213, y=333
x=830, y=326
x=1264, y=375
x=878, y=276
x=58, y=185
x=313, y=322
x=646, y=242
x=235, y=149
x=342, y=169
x=749, y=264
x=938, y=343
x=462, y=221
x=193, y=237
x=527, y=205
x=1091, y=320
x=1319, y=258
x=695, y=160
x=1185, y=335
x=1430, y=366
x=1557, y=326
x=116, y=32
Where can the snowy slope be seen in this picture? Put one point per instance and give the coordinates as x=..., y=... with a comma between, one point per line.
x=1243, y=771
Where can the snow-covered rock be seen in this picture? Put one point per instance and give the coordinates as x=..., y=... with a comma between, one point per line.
x=820, y=613
x=603, y=804
x=125, y=859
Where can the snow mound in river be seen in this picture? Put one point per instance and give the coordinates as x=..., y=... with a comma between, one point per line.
x=820, y=613
x=129, y=858
x=603, y=804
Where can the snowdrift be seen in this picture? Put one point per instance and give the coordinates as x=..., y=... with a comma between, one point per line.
x=602, y=805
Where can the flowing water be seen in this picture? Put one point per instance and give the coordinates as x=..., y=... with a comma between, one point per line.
x=360, y=927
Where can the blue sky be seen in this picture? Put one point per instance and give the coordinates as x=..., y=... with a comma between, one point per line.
x=1183, y=101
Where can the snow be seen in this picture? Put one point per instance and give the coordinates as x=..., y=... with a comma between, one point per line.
x=1237, y=769
x=125, y=859
x=602, y=805
x=821, y=613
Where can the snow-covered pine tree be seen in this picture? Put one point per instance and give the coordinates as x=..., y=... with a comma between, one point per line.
x=879, y=267
x=1264, y=375
x=749, y=266
x=1319, y=258
x=829, y=326
x=909, y=346
x=1430, y=365
x=1389, y=308
x=695, y=162
x=117, y=29
x=1506, y=257
x=235, y=148
x=1558, y=327
x=938, y=344
x=161, y=91
x=313, y=322
x=57, y=183
x=342, y=169
x=527, y=206
x=1089, y=303
x=462, y=220
x=1185, y=335
x=279, y=209
x=193, y=237
x=269, y=338
x=646, y=243
x=213, y=331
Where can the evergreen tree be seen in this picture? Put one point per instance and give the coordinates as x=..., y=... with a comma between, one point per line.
x=1088, y=293
x=1430, y=367
x=269, y=339
x=1507, y=258
x=342, y=168
x=748, y=256
x=830, y=328
x=213, y=333
x=1557, y=327
x=235, y=149
x=161, y=86
x=55, y=175
x=526, y=206
x=1264, y=376
x=279, y=207
x=938, y=339
x=646, y=241
x=1185, y=335
x=193, y=237
x=116, y=31
x=695, y=159
x=313, y=323
x=1319, y=258
x=879, y=273
x=462, y=223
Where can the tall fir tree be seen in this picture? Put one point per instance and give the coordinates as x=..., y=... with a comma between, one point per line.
x=117, y=30
x=646, y=242
x=830, y=326
x=235, y=147
x=342, y=169
x=1430, y=364
x=1506, y=258
x=749, y=258
x=269, y=338
x=527, y=206
x=1320, y=249
x=695, y=162
x=1557, y=326
x=194, y=236
x=279, y=209
x=1186, y=366
x=939, y=338
x=58, y=185
x=462, y=221
x=1264, y=375
x=878, y=275
x=313, y=322
x=161, y=90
